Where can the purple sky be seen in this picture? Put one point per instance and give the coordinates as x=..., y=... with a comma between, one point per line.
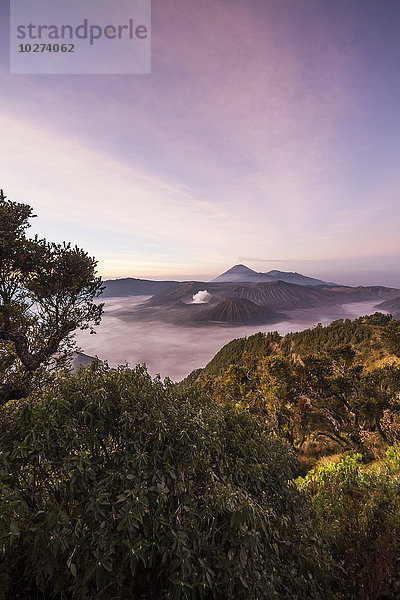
x=268, y=133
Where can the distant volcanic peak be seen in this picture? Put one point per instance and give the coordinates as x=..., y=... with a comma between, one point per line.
x=238, y=269
x=239, y=311
x=242, y=274
x=236, y=274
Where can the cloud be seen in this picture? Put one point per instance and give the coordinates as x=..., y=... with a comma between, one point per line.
x=175, y=351
x=251, y=129
x=72, y=185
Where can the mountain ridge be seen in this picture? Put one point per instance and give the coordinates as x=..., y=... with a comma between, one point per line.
x=132, y=286
x=242, y=274
x=363, y=334
x=245, y=302
x=274, y=294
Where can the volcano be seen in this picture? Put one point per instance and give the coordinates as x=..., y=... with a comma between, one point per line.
x=242, y=274
x=240, y=311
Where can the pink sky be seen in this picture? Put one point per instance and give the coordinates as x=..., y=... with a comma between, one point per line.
x=267, y=129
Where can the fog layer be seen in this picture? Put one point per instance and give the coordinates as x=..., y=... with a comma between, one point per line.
x=174, y=351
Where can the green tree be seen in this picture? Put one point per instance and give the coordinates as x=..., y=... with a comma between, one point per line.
x=345, y=400
x=282, y=409
x=46, y=292
x=391, y=337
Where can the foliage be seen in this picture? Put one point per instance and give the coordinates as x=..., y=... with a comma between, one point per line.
x=357, y=513
x=368, y=336
x=257, y=346
x=118, y=486
x=390, y=425
x=46, y=292
x=190, y=379
x=323, y=383
x=391, y=337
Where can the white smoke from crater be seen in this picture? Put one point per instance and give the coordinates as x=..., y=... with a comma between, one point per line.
x=201, y=297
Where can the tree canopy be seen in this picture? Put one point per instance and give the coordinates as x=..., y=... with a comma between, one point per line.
x=339, y=383
x=46, y=292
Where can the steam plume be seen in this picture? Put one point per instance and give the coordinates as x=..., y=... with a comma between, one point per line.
x=201, y=297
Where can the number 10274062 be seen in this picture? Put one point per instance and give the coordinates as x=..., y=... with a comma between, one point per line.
x=46, y=48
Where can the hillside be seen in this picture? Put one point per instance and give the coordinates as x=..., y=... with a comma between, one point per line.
x=183, y=291
x=360, y=293
x=365, y=335
x=239, y=311
x=392, y=306
x=273, y=294
x=286, y=296
x=80, y=359
x=134, y=287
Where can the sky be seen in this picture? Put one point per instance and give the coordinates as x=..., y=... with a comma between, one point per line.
x=268, y=133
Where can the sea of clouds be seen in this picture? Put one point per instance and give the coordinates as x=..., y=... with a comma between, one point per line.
x=174, y=351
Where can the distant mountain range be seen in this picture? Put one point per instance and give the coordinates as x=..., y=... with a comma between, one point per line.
x=242, y=296
x=134, y=287
x=242, y=274
x=274, y=294
x=131, y=286
x=251, y=303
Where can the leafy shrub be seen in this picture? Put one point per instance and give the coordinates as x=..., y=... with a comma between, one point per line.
x=357, y=513
x=115, y=486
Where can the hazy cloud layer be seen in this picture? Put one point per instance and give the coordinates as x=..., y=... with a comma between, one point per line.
x=175, y=351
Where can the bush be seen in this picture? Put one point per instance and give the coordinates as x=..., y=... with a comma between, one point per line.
x=357, y=513
x=115, y=486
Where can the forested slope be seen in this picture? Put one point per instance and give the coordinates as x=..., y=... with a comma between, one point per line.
x=369, y=337
x=337, y=385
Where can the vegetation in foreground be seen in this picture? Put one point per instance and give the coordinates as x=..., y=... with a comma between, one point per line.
x=116, y=486
x=357, y=515
x=46, y=293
